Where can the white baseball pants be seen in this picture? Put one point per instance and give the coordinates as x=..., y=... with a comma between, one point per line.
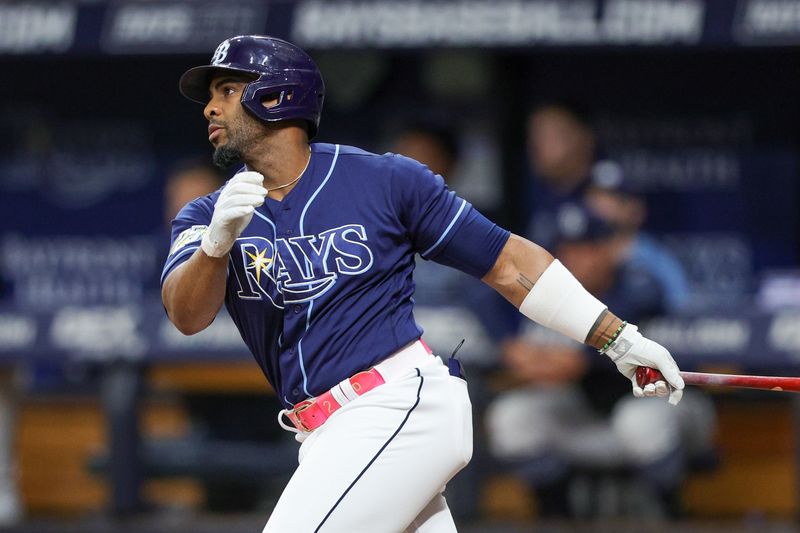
x=380, y=463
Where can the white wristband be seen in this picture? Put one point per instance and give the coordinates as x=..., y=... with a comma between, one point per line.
x=559, y=301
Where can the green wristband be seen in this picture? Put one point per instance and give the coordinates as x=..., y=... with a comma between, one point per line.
x=607, y=345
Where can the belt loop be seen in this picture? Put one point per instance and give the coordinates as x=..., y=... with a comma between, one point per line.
x=282, y=424
x=347, y=389
x=338, y=395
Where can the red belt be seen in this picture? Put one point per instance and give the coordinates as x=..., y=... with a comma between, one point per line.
x=310, y=414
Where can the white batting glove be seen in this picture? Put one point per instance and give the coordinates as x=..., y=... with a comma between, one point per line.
x=631, y=350
x=233, y=212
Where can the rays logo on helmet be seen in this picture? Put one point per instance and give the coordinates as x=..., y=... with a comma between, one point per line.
x=299, y=269
x=220, y=53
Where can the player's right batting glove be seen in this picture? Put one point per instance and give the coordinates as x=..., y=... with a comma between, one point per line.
x=233, y=212
x=631, y=349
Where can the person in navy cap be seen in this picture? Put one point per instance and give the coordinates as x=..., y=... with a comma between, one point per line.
x=614, y=197
x=562, y=418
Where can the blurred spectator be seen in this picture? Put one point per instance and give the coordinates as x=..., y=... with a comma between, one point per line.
x=613, y=198
x=432, y=144
x=561, y=150
x=571, y=412
x=189, y=180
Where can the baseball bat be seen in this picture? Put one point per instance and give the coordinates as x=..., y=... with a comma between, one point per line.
x=646, y=375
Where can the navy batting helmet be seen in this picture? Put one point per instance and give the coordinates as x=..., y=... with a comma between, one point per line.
x=277, y=68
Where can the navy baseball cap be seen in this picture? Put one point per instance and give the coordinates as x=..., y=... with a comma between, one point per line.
x=608, y=175
x=575, y=222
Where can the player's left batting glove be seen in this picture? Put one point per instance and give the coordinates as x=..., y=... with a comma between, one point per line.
x=631, y=349
x=233, y=211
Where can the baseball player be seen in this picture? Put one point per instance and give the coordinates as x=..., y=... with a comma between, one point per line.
x=311, y=249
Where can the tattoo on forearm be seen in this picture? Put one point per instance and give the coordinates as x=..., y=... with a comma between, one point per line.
x=526, y=283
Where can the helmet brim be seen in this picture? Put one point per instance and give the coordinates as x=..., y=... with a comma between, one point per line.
x=195, y=81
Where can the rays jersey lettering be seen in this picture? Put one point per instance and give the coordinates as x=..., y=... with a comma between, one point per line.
x=299, y=269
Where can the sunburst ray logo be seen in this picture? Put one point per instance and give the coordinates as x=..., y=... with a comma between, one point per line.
x=260, y=262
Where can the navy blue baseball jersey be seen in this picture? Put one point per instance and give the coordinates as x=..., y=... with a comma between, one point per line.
x=320, y=283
